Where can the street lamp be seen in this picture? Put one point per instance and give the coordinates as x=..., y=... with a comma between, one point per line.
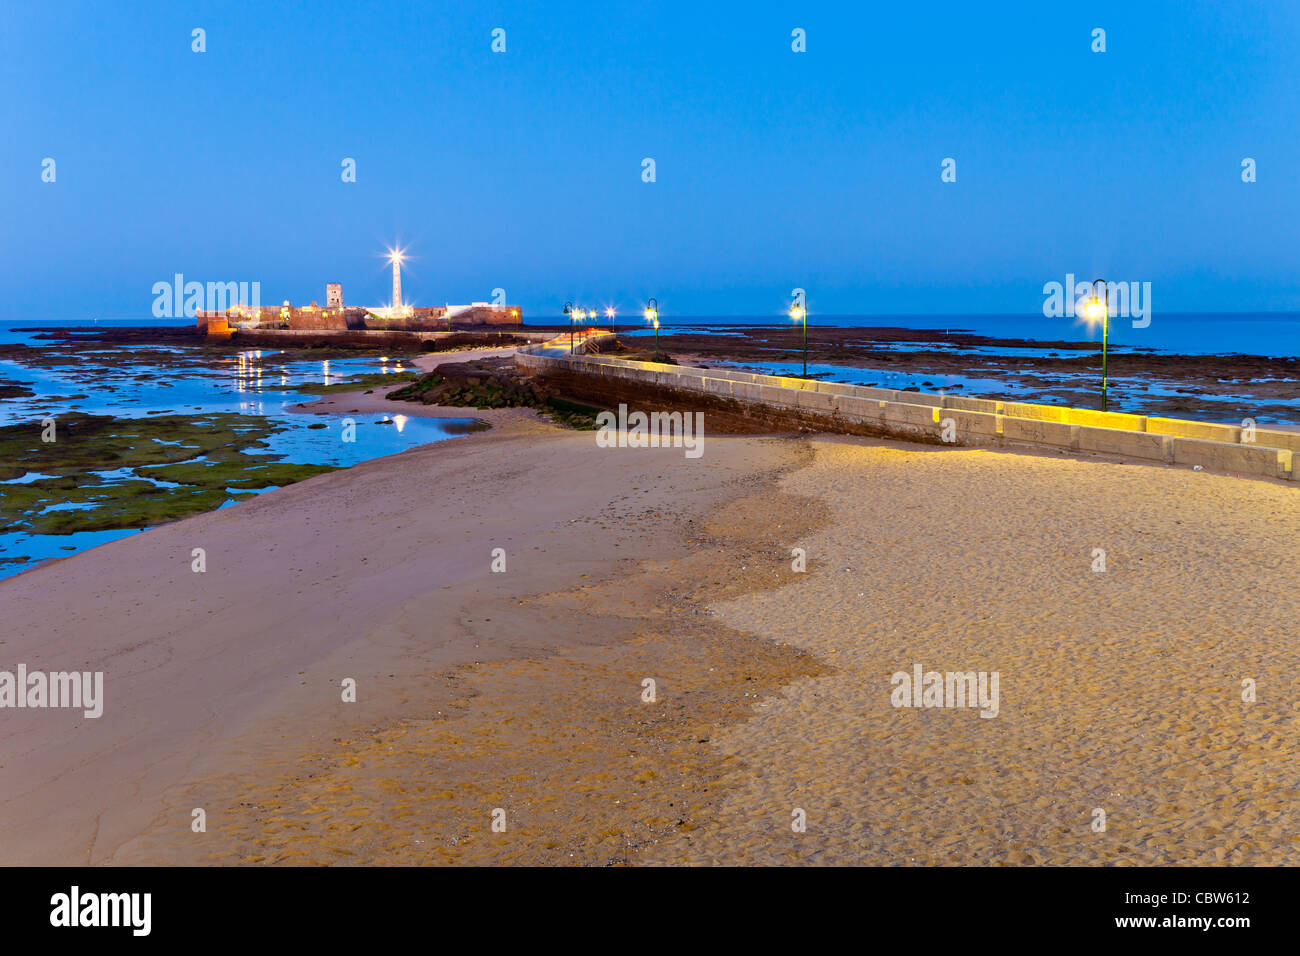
x=1099, y=309
x=800, y=312
x=609, y=314
x=568, y=310
x=652, y=315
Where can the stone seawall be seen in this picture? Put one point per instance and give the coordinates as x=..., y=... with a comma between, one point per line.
x=782, y=402
x=722, y=411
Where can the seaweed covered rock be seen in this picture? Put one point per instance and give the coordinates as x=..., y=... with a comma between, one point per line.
x=492, y=383
x=473, y=385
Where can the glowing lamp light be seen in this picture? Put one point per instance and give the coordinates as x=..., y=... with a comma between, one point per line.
x=1098, y=310
x=800, y=313
x=652, y=315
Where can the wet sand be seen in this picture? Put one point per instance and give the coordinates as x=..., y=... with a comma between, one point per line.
x=379, y=573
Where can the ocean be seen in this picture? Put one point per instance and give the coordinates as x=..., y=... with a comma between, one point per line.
x=1211, y=333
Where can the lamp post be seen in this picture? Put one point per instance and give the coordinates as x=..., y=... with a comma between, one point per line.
x=568, y=310
x=609, y=314
x=800, y=312
x=652, y=315
x=1100, y=309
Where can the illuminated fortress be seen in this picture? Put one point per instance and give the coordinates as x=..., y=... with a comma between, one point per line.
x=335, y=316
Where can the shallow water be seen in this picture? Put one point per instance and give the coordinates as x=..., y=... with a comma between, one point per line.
x=186, y=379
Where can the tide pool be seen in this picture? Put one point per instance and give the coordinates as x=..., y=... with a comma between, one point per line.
x=71, y=379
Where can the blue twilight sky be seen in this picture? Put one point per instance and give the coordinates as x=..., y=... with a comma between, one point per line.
x=775, y=169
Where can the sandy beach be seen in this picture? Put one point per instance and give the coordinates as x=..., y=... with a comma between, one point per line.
x=379, y=573
x=1120, y=690
x=523, y=691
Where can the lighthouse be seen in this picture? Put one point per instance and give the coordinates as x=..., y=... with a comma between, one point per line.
x=395, y=256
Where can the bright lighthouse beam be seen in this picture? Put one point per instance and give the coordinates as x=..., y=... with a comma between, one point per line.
x=396, y=257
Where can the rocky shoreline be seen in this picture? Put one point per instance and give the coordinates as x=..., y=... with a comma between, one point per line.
x=1143, y=381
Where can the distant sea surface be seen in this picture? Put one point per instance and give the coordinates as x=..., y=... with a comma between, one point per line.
x=1209, y=333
